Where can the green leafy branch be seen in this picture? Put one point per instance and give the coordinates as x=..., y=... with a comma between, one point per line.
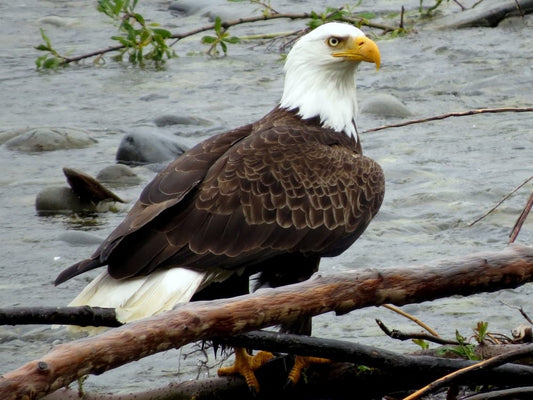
x=221, y=39
x=139, y=39
x=143, y=41
x=51, y=59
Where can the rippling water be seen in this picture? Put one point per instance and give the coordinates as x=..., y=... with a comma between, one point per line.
x=440, y=175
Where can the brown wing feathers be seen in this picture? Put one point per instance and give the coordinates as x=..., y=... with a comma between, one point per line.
x=251, y=194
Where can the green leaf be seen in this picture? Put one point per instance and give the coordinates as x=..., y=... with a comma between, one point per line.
x=42, y=47
x=45, y=38
x=51, y=62
x=367, y=15
x=162, y=32
x=139, y=18
x=232, y=40
x=218, y=25
x=224, y=47
x=208, y=39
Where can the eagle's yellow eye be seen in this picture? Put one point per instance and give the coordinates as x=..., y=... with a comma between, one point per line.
x=334, y=41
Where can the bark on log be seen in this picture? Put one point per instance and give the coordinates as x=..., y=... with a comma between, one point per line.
x=203, y=320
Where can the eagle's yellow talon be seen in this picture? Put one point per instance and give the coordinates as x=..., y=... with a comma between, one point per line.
x=301, y=363
x=245, y=365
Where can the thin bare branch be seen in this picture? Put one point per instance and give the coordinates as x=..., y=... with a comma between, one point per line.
x=501, y=201
x=412, y=318
x=521, y=218
x=396, y=334
x=453, y=114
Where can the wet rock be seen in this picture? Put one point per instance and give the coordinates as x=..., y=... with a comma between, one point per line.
x=212, y=9
x=58, y=22
x=171, y=119
x=143, y=148
x=118, y=175
x=488, y=13
x=80, y=238
x=61, y=199
x=39, y=139
x=385, y=105
x=189, y=7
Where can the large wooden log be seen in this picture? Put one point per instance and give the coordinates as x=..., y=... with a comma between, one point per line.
x=340, y=293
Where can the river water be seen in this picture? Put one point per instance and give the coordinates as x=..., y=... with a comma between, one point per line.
x=440, y=175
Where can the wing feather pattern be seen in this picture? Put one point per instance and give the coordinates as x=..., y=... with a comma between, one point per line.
x=281, y=185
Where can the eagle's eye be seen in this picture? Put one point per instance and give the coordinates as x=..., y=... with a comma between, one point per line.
x=334, y=41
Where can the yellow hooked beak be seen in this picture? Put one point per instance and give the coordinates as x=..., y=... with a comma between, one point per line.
x=358, y=49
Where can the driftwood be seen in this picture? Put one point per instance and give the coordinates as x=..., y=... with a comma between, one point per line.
x=384, y=372
x=340, y=293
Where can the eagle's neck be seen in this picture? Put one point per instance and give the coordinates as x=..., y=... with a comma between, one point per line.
x=326, y=91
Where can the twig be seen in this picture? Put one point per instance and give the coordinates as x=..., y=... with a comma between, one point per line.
x=453, y=114
x=396, y=334
x=460, y=374
x=412, y=318
x=502, y=200
x=521, y=310
x=521, y=218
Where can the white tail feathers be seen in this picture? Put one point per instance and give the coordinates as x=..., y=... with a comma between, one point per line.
x=142, y=296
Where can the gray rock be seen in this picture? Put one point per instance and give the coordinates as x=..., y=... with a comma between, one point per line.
x=118, y=175
x=61, y=199
x=385, y=105
x=59, y=22
x=171, y=119
x=80, y=238
x=188, y=7
x=143, y=148
x=39, y=139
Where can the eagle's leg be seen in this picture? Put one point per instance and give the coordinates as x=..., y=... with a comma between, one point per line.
x=301, y=363
x=301, y=268
x=245, y=365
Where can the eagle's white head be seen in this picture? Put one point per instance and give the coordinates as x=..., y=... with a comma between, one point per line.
x=320, y=74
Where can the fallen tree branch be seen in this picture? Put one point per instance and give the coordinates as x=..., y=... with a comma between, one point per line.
x=514, y=393
x=81, y=316
x=340, y=293
x=453, y=114
x=402, y=372
x=526, y=351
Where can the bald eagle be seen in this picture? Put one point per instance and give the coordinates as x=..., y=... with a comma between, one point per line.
x=270, y=198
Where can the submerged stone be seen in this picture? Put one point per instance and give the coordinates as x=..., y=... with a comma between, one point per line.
x=143, y=148
x=61, y=199
x=118, y=174
x=37, y=139
x=385, y=105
